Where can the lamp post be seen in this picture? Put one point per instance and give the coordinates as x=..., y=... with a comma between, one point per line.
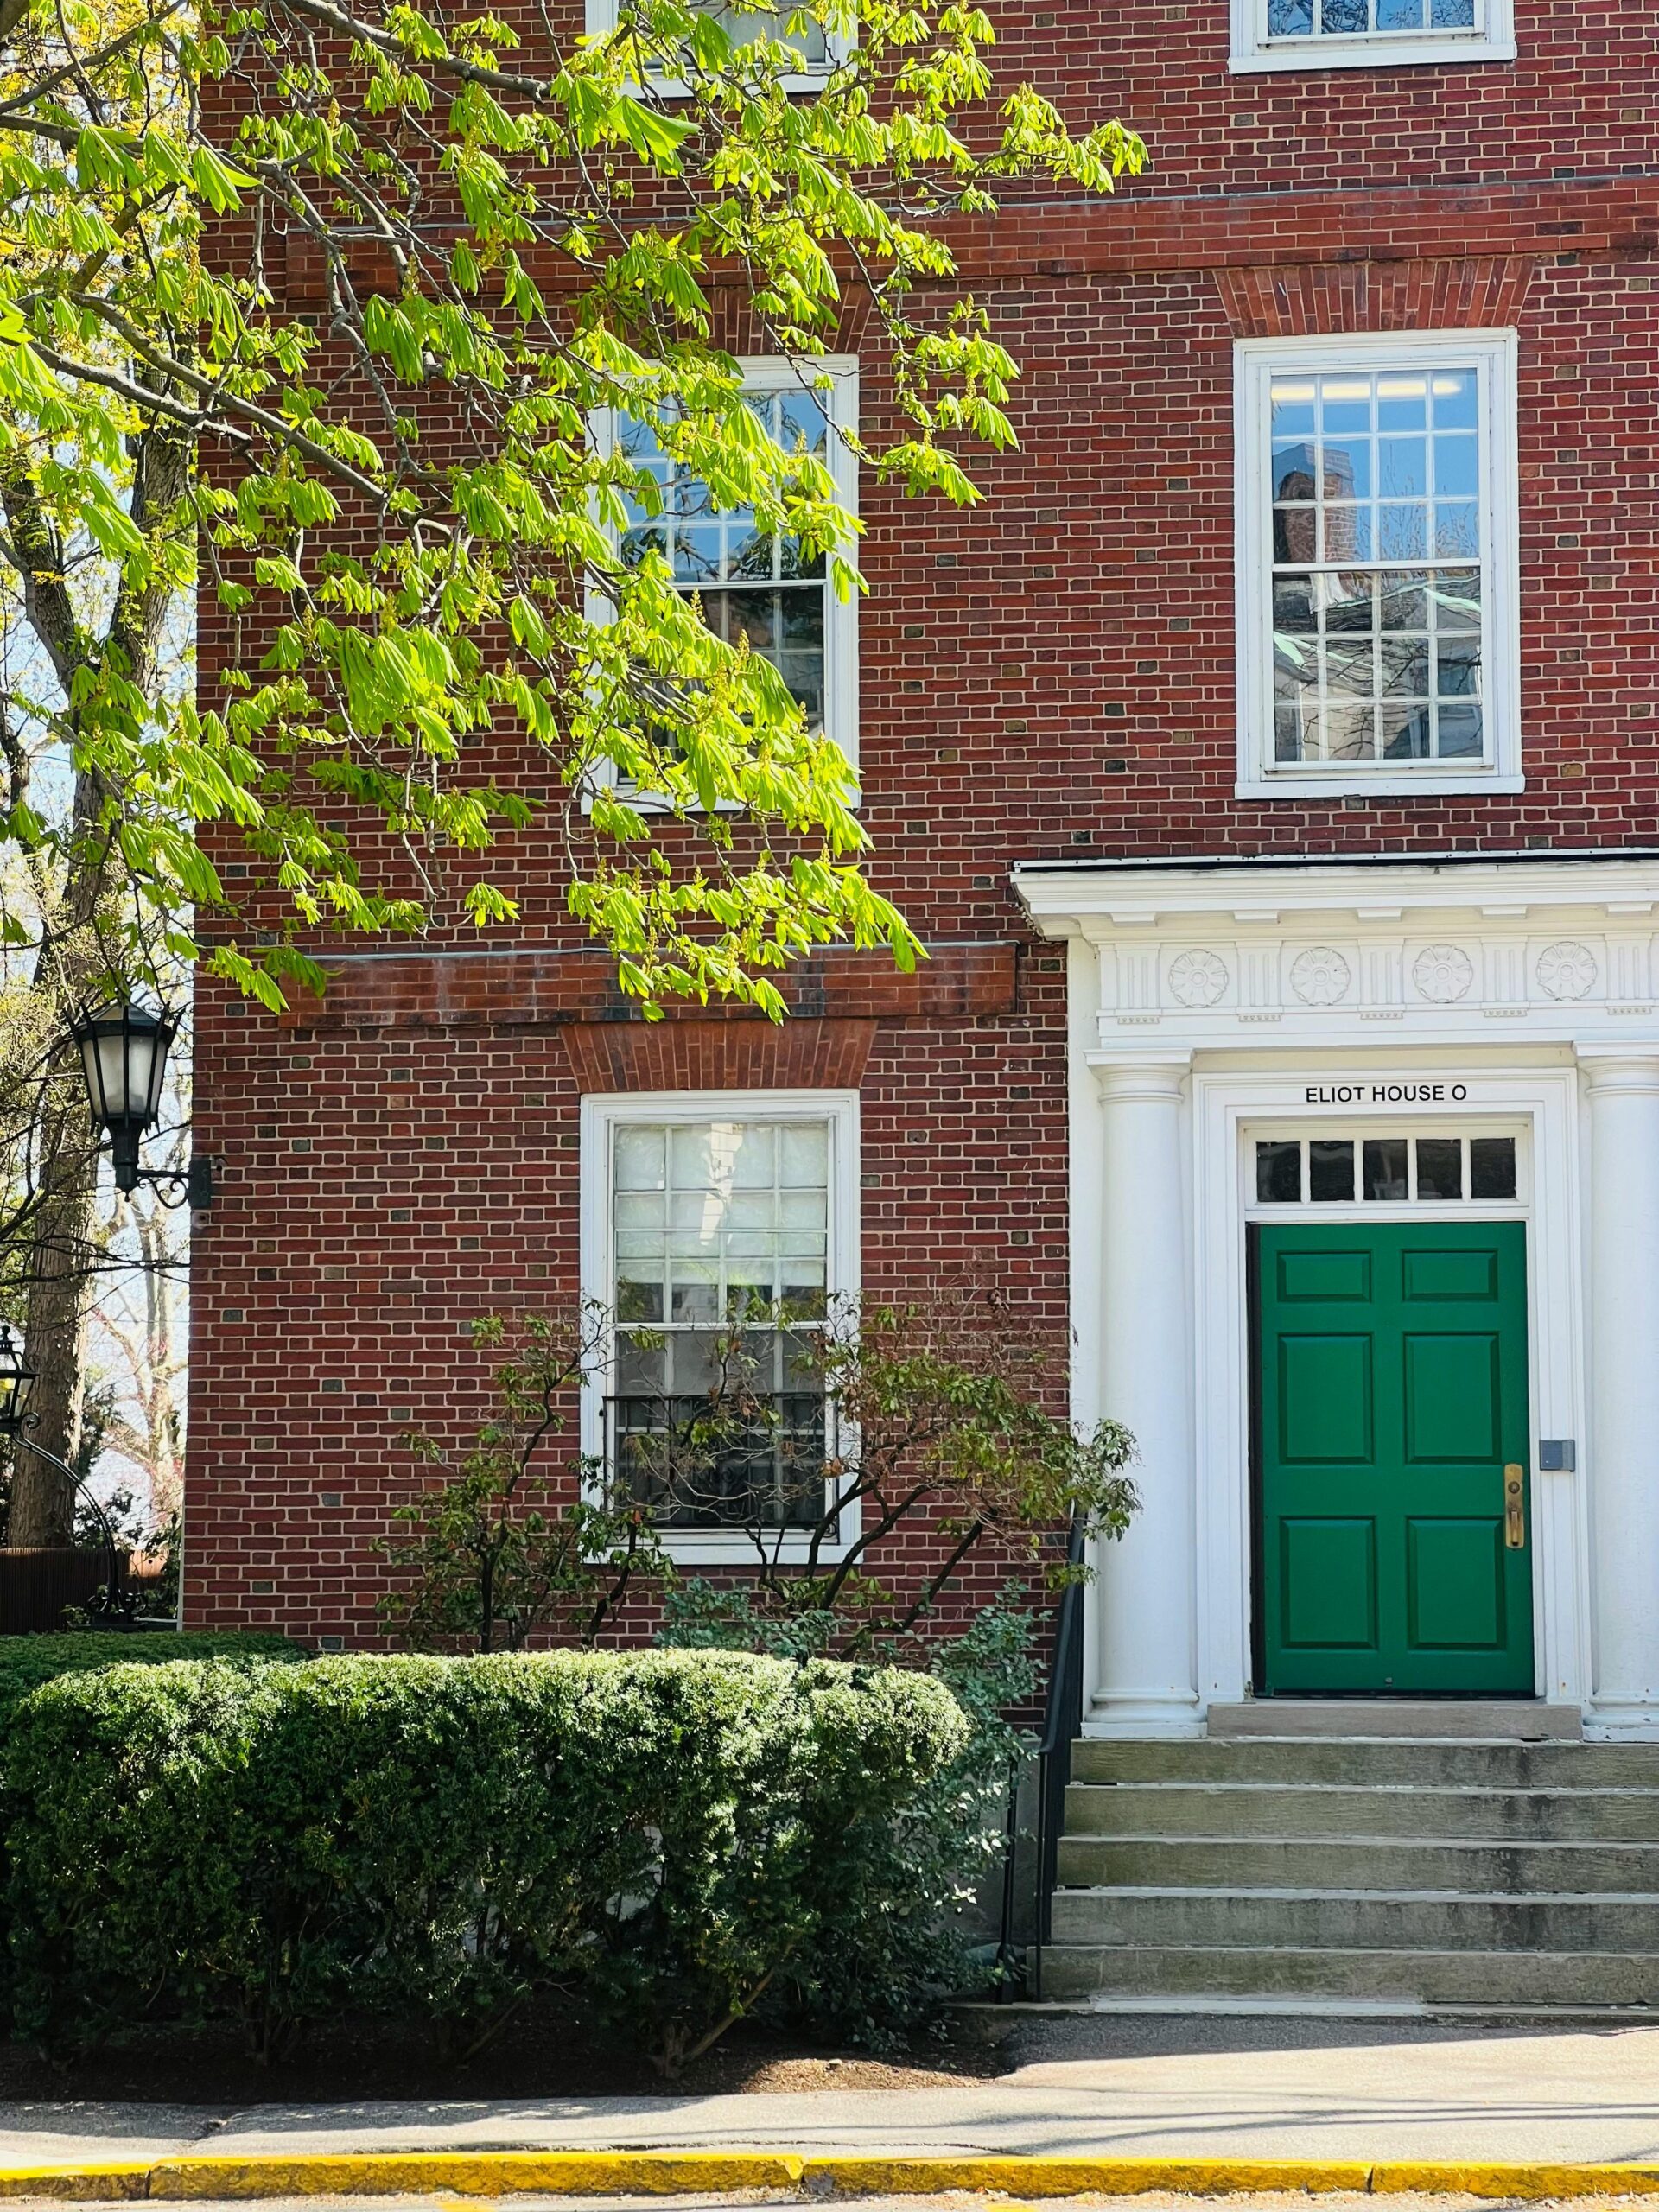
x=124, y=1051
x=16, y=1381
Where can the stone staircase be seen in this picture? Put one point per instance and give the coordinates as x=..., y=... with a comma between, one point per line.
x=1310, y=1873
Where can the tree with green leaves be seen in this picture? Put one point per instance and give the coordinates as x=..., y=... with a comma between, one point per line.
x=395, y=486
x=526, y=234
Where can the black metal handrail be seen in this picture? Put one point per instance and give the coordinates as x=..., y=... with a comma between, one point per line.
x=1062, y=1719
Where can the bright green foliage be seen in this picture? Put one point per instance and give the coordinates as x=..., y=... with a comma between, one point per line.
x=656, y=1835
x=521, y=243
x=944, y=1422
x=514, y=1538
x=26, y=1662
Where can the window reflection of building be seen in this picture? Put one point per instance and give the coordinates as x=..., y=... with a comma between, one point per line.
x=1375, y=660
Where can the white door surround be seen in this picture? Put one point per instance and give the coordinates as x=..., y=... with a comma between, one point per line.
x=1206, y=1002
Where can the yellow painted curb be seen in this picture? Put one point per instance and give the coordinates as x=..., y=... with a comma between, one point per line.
x=185, y=2178
x=1040, y=2177
x=474, y=2173
x=1531, y=2181
x=123, y=2177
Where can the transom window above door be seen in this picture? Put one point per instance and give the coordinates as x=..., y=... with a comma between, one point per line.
x=1376, y=598
x=1368, y=34
x=1384, y=1170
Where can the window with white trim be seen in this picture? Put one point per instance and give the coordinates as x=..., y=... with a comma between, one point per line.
x=1376, y=565
x=1368, y=34
x=818, y=48
x=751, y=585
x=720, y=1231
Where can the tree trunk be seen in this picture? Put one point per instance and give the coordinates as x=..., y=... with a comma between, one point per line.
x=42, y=1499
x=72, y=959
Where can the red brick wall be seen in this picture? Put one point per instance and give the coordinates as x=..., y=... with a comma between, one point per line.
x=1048, y=676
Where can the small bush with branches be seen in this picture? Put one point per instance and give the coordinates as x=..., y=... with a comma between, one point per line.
x=506, y=1544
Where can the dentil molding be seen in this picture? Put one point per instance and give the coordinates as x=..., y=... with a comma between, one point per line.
x=1558, y=951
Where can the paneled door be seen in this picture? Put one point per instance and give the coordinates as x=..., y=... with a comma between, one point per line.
x=1391, y=1381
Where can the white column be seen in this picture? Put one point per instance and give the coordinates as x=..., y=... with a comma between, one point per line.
x=1624, y=1441
x=1145, y=1682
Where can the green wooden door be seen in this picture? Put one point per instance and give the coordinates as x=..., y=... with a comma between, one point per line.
x=1392, y=1392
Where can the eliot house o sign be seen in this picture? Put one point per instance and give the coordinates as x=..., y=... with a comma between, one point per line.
x=1387, y=1093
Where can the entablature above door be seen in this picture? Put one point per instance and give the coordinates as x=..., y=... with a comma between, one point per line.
x=1560, y=951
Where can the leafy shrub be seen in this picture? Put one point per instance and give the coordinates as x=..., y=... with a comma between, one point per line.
x=657, y=1834
x=507, y=1544
x=26, y=1662
x=900, y=1938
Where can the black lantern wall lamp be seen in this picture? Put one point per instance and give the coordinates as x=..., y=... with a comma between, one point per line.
x=124, y=1051
x=113, y=1603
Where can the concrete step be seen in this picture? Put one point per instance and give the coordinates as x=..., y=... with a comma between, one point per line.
x=1474, y=1764
x=1355, y=1920
x=1268, y=1809
x=1232, y=1861
x=1547, y=1980
x=1523, y=1720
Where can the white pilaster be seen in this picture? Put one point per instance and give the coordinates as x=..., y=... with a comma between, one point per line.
x=1624, y=1441
x=1145, y=1681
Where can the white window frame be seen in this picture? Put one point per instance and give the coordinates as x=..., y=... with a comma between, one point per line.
x=601, y=21
x=1491, y=354
x=602, y=1113
x=1491, y=39
x=771, y=372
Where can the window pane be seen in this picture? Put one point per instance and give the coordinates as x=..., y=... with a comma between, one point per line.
x=1440, y=1167
x=805, y=1163
x=1367, y=470
x=1330, y=1169
x=1384, y=1177
x=1278, y=1174
x=717, y=1224
x=707, y=550
x=639, y=1160
x=1491, y=1167
x=744, y=25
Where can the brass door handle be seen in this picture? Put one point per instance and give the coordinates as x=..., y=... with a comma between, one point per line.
x=1514, y=1508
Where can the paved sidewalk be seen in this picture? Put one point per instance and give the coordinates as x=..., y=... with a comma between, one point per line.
x=1133, y=2087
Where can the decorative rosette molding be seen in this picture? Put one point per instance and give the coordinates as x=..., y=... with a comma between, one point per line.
x=1382, y=956
x=1198, y=978
x=1320, y=976
x=1443, y=973
x=1567, y=971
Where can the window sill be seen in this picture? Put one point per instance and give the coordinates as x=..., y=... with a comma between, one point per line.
x=1398, y=785
x=1371, y=54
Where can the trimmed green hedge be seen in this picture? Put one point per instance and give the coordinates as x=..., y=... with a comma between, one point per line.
x=26, y=1662
x=658, y=1833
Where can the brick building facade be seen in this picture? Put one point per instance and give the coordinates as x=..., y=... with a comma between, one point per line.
x=1269, y=759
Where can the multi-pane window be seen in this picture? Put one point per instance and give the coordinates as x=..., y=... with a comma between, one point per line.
x=1386, y=1169
x=721, y=1257
x=1375, y=600
x=1368, y=34
x=751, y=584
x=1377, y=552
x=744, y=25
x=1379, y=19
x=818, y=50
